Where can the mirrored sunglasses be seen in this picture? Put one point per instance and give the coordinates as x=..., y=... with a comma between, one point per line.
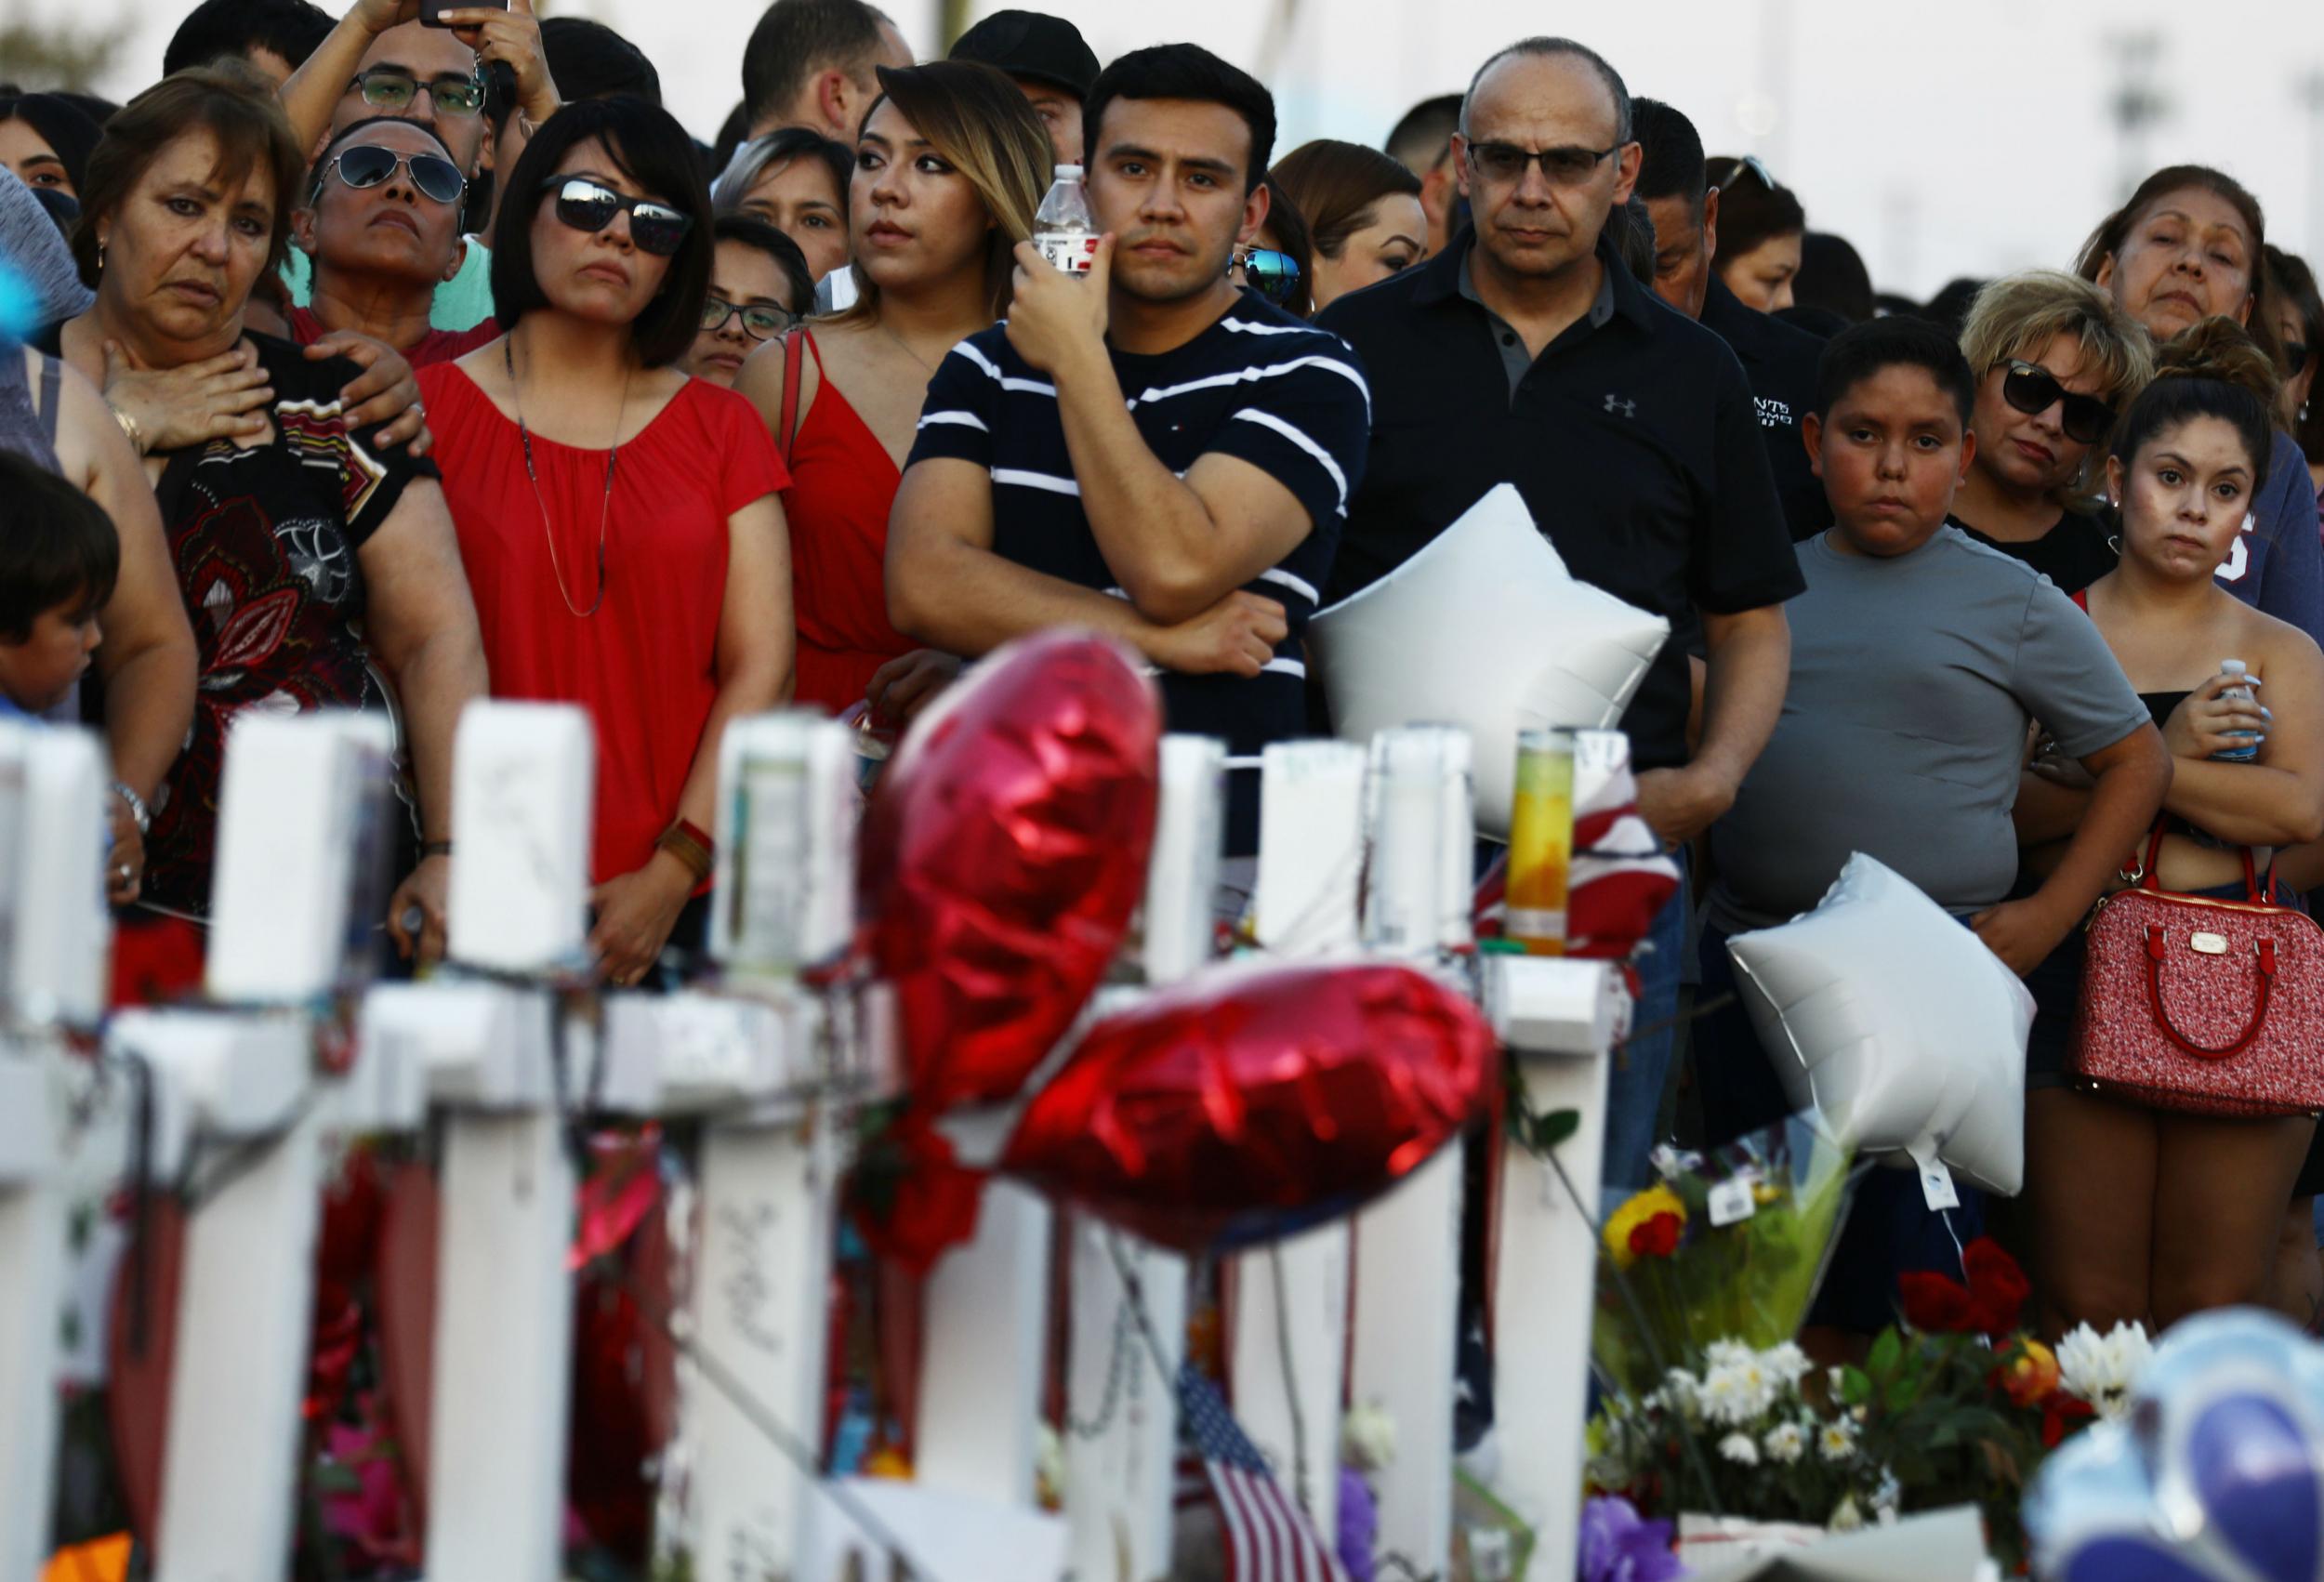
x=367, y=164
x=589, y=205
x=1274, y=275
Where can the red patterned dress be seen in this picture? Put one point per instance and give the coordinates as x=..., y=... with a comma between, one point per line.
x=265, y=539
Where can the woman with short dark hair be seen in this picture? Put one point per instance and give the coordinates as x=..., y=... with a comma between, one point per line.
x=618, y=519
x=308, y=546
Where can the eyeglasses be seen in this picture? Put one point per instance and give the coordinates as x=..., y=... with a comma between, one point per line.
x=759, y=322
x=368, y=164
x=1274, y=275
x=1749, y=164
x=2032, y=388
x=391, y=87
x=589, y=206
x=1566, y=166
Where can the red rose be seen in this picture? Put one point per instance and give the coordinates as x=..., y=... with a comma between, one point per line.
x=1988, y=1304
x=1657, y=1238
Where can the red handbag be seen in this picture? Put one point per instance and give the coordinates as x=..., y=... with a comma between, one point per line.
x=2203, y=1006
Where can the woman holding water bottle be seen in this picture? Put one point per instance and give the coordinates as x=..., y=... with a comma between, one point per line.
x=2138, y=1213
x=950, y=166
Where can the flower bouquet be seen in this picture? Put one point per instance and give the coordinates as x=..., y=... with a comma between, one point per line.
x=1729, y=1245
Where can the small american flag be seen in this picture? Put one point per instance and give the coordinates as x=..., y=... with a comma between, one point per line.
x=1268, y=1538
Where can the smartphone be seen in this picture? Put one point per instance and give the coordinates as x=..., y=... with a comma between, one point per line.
x=431, y=11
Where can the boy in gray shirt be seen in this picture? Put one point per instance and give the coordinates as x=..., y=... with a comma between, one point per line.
x=1919, y=659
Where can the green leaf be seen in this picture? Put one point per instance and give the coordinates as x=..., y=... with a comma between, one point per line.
x=1553, y=1129
x=1855, y=1387
x=1886, y=1352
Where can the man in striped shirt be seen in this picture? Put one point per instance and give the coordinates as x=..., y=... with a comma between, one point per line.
x=1148, y=452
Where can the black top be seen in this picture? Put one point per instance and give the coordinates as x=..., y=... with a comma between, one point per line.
x=1780, y=362
x=1257, y=385
x=2073, y=554
x=1635, y=442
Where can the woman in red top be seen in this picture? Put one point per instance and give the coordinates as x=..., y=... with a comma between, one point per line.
x=950, y=166
x=619, y=521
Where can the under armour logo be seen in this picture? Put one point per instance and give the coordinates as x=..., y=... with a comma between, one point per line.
x=1616, y=403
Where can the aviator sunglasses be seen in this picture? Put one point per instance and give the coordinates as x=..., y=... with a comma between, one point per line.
x=2032, y=390
x=368, y=164
x=590, y=206
x=1275, y=276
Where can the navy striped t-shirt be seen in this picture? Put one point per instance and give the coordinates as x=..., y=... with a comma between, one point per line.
x=1257, y=385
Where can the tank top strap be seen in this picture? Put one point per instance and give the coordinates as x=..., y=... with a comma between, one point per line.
x=51, y=387
x=24, y=430
x=813, y=350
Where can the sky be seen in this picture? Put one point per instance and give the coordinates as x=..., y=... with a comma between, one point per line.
x=1973, y=136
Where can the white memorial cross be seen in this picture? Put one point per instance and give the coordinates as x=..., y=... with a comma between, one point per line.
x=53, y=934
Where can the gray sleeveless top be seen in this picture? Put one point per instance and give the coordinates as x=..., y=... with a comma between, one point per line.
x=30, y=434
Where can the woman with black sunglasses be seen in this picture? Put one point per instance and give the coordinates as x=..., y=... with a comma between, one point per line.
x=619, y=520
x=2056, y=359
x=950, y=164
x=382, y=224
x=1761, y=231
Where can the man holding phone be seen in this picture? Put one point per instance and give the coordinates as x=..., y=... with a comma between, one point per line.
x=386, y=57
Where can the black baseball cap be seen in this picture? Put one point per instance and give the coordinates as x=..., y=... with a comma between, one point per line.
x=1027, y=44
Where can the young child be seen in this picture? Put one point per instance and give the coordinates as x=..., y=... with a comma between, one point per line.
x=1918, y=660
x=58, y=559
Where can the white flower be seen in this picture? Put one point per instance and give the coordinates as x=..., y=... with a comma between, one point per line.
x=2104, y=1370
x=1739, y=1387
x=1788, y=1363
x=1726, y=1354
x=1739, y=1448
x=1836, y=1441
x=1846, y=1517
x=1785, y=1444
x=1368, y=1438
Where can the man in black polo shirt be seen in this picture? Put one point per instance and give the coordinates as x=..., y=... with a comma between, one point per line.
x=1526, y=353
x=1150, y=452
x=1779, y=359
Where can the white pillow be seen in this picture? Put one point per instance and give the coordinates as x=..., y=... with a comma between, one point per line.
x=1486, y=629
x=1883, y=1012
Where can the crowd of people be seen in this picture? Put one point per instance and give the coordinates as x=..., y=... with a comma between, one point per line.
x=345, y=333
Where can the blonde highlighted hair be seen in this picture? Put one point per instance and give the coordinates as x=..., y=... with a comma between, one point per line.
x=2018, y=316
x=980, y=123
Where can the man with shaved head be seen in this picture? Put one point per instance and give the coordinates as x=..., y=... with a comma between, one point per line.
x=1526, y=353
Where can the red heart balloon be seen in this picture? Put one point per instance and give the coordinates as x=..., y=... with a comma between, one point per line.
x=1004, y=853
x=1255, y=1099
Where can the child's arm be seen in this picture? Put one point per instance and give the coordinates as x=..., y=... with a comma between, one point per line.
x=2131, y=776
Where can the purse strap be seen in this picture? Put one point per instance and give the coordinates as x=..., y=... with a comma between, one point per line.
x=2142, y=873
x=785, y=426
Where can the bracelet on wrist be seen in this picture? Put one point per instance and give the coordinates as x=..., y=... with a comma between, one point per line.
x=692, y=847
x=434, y=849
x=130, y=427
x=139, y=814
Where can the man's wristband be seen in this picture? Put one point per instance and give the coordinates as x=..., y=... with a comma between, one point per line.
x=434, y=849
x=139, y=814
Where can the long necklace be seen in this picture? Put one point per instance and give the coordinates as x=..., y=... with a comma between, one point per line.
x=907, y=349
x=605, y=506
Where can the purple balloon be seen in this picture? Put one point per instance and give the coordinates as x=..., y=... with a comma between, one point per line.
x=2254, y=1468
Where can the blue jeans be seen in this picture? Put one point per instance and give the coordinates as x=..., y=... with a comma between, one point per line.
x=1642, y=1066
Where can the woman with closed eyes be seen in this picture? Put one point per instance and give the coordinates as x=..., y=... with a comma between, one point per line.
x=619, y=520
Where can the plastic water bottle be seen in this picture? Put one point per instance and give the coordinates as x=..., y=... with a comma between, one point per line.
x=1063, y=228
x=2252, y=738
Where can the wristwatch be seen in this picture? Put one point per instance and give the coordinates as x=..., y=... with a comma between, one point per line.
x=139, y=814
